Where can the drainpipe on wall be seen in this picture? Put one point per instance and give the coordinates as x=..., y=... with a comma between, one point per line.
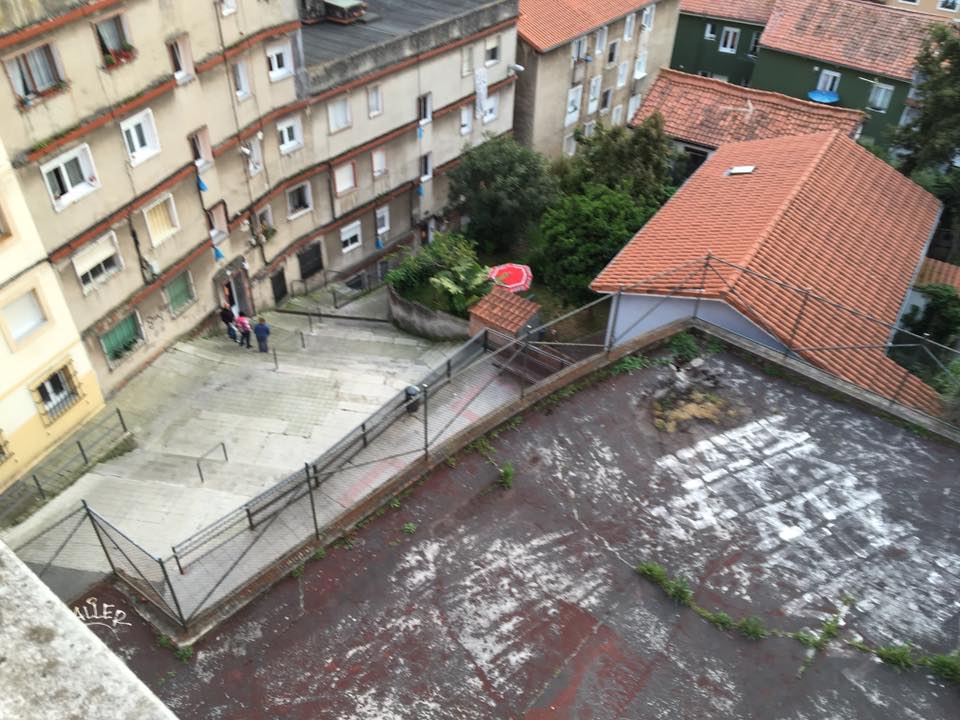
x=141, y=260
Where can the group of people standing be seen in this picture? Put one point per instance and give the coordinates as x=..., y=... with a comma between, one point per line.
x=239, y=328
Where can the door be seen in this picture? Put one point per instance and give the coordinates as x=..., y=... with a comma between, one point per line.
x=279, y=283
x=311, y=260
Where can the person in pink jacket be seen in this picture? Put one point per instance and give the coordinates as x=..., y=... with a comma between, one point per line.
x=243, y=325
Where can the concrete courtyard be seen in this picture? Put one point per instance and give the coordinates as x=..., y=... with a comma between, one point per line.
x=523, y=603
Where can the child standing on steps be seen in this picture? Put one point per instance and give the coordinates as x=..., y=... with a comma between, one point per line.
x=262, y=331
x=243, y=325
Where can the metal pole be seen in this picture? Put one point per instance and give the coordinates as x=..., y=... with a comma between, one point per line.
x=224, y=446
x=122, y=423
x=703, y=286
x=903, y=381
x=796, y=323
x=310, y=321
x=183, y=622
x=276, y=365
x=448, y=368
x=96, y=529
x=200, y=471
x=313, y=503
x=426, y=437
x=36, y=481
x=363, y=430
x=177, y=558
x=249, y=517
x=303, y=340
x=83, y=453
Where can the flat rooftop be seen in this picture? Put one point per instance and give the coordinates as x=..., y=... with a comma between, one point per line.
x=789, y=506
x=386, y=20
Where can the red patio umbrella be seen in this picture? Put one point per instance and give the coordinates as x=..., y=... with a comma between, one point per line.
x=513, y=276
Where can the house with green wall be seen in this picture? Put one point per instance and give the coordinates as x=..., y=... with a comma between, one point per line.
x=847, y=53
x=719, y=39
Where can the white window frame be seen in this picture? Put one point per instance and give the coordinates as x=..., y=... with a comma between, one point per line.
x=174, y=219
x=344, y=182
x=374, y=101
x=578, y=48
x=606, y=100
x=379, y=169
x=204, y=149
x=754, y=44
x=570, y=145
x=829, y=81
x=81, y=267
x=284, y=51
x=487, y=47
x=382, y=215
x=284, y=126
x=629, y=25
x=335, y=123
x=589, y=128
x=942, y=5
x=593, y=97
x=184, y=57
x=622, y=71
x=710, y=31
x=75, y=192
x=429, y=174
x=616, y=117
x=145, y=120
x=349, y=231
x=240, y=79
x=466, y=119
x=574, y=105
x=633, y=105
x=69, y=389
x=726, y=45
x=466, y=61
x=613, y=48
x=600, y=40
x=491, y=108
x=649, y=13
x=227, y=7
x=877, y=108
x=255, y=158
x=294, y=214
x=640, y=65
x=425, y=108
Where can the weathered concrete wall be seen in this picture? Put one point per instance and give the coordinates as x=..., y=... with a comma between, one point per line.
x=419, y=320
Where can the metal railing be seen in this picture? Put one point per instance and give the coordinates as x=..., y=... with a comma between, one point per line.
x=220, y=445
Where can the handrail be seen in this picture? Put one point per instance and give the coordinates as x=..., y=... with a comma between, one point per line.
x=221, y=445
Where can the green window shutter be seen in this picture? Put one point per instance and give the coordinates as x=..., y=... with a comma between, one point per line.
x=179, y=293
x=121, y=338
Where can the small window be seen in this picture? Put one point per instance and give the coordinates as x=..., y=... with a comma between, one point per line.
x=633, y=106
x=570, y=145
x=57, y=394
x=491, y=108
x=200, y=148
x=24, y=315
x=466, y=60
x=426, y=167
x=338, y=113
x=640, y=65
x=378, y=161
x=112, y=39
x=279, y=61
x=578, y=48
x=181, y=58
x=217, y=219
x=241, y=84
x=880, y=96
x=613, y=52
x=383, y=221
x=729, y=40
x=180, y=293
x=948, y=5
x=255, y=158
x=228, y=7
x=622, y=73
x=70, y=177
x=589, y=128
x=605, y=99
x=648, y=14
x=491, y=54
x=345, y=178
x=97, y=262
x=616, y=117
x=374, y=101
x=265, y=220
x=593, y=99
x=829, y=81
x=140, y=137
x=600, y=40
x=34, y=73
x=574, y=102
x=289, y=135
x=466, y=120
x=122, y=338
x=299, y=200
x=350, y=237
x=425, y=108
x=628, y=26
x=710, y=31
x=754, y=44
x=161, y=218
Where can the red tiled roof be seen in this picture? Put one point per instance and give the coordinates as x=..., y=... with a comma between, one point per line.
x=862, y=35
x=712, y=112
x=749, y=11
x=544, y=24
x=502, y=309
x=819, y=213
x=935, y=272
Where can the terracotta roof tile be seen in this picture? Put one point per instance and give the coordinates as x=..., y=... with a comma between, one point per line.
x=750, y=11
x=861, y=35
x=712, y=112
x=544, y=24
x=939, y=273
x=814, y=214
x=505, y=310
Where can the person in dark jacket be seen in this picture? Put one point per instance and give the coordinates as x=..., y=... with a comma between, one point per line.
x=262, y=331
x=226, y=315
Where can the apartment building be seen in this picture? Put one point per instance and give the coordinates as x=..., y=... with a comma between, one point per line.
x=47, y=384
x=586, y=63
x=946, y=9
x=177, y=156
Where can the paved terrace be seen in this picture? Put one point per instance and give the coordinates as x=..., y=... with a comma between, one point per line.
x=524, y=603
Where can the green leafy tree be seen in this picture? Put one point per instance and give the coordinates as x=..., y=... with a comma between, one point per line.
x=637, y=161
x=504, y=188
x=940, y=318
x=581, y=234
x=948, y=383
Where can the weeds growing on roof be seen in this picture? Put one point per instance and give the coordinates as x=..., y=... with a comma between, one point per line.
x=507, y=472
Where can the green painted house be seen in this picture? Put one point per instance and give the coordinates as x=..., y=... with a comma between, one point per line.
x=848, y=53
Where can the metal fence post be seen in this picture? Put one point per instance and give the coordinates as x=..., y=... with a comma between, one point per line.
x=224, y=446
x=310, y=321
x=96, y=529
x=363, y=432
x=177, y=558
x=249, y=517
x=796, y=323
x=276, y=365
x=703, y=287
x=426, y=436
x=176, y=602
x=303, y=340
x=313, y=503
x=200, y=472
x=36, y=481
x=123, y=424
x=83, y=454
x=448, y=368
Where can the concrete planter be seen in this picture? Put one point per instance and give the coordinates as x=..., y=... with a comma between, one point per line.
x=421, y=320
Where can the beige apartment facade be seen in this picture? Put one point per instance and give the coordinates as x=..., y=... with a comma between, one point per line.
x=576, y=77
x=47, y=384
x=169, y=171
x=943, y=8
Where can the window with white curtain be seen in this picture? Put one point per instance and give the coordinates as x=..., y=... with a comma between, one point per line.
x=33, y=72
x=24, y=315
x=338, y=113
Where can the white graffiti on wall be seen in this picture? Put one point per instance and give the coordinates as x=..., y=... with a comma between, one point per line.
x=108, y=615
